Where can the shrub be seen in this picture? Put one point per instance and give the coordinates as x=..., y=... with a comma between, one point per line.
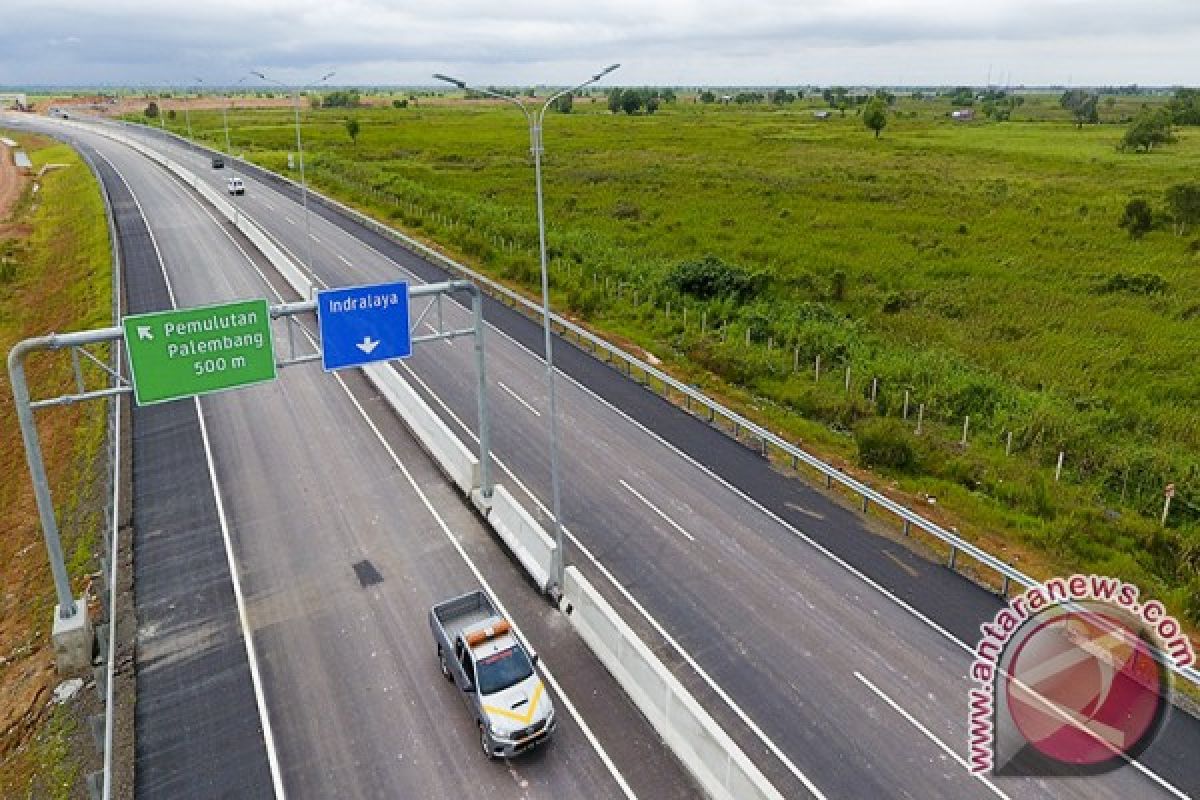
x=1146, y=283
x=885, y=443
x=1138, y=218
x=710, y=278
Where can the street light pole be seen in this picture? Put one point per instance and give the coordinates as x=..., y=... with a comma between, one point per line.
x=300, y=155
x=535, y=121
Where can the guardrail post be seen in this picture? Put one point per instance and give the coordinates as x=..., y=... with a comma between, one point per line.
x=765, y=445
x=866, y=503
x=1058, y=467
x=907, y=528
x=966, y=427
x=953, y=556
x=828, y=481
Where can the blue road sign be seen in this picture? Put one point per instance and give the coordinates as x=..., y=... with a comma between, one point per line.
x=363, y=324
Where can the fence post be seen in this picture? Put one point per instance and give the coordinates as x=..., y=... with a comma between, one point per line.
x=747, y=336
x=847, y=380
x=1008, y=444
x=906, y=404
x=703, y=322
x=817, y=370
x=874, y=389
x=966, y=427
x=920, y=416
x=668, y=309
x=795, y=359
x=1058, y=467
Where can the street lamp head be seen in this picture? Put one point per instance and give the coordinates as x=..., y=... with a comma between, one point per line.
x=605, y=71
x=448, y=79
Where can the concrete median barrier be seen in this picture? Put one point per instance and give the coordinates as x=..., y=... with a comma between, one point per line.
x=714, y=759
x=520, y=532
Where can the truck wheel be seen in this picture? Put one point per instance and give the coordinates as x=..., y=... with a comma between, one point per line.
x=442, y=663
x=486, y=744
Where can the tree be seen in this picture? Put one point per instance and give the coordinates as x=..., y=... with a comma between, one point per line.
x=352, y=128
x=875, y=115
x=399, y=104
x=564, y=104
x=1138, y=218
x=152, y=110
x=631, y=101
x=1185, y=107
x=707, y=97
x=781, y=97
x=615, y=97
x=1084, y=106
x=652, y=103
x=1183, y=201
x=1149, y=128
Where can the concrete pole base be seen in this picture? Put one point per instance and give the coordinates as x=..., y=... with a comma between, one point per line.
x=72, y=638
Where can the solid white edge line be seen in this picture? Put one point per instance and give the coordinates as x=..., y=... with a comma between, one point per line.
x=115, y=541
x=583, y=726
x=255, y=676
x=656, y=510
x=716, y=688
x=754, y=503
x=343, y=259
x=929, y=734
x=518, y=398
x=587, y=731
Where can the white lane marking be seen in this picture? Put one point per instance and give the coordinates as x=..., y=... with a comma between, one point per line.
x=929, y=734
x=746, y=498
x=343, y=259
x=584, y=727
x=313, y=236
x=255, y=676
x=656, y=510
x=806, y=511
x=289, y=220
x=518, y=398
x=449, y=342
x=716, y=688
x=587, y=731
x=268, y=205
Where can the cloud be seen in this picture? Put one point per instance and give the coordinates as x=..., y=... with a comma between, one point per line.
x=667, y=41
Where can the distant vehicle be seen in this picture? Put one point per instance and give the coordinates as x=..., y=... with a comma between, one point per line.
x=495, y=676
x=235, y=186
x=218, y=162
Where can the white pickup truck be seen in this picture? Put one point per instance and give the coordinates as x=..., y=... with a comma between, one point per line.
x=494, y=675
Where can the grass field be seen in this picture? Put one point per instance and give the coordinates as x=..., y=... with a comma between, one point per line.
x=55, y=273
x=977, y=266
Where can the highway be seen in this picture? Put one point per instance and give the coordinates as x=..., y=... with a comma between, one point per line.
x=836, y=658
x=342, y=535
x=792, y=639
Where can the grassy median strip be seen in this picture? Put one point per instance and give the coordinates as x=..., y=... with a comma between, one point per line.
x=55, y=277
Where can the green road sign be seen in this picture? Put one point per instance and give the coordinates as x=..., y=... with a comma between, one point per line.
x=192, y=351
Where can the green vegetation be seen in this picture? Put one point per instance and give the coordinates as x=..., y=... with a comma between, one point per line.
x=54, y=245
x=978, y=268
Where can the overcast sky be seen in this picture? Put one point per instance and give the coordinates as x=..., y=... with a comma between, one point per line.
x=664, y=42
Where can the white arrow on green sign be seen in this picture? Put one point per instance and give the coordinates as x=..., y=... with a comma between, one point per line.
x=191, y=351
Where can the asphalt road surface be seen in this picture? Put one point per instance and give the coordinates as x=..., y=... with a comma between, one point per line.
x=343, y=534
x=836, y=658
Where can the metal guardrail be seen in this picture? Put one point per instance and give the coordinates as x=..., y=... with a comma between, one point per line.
x=737, y=422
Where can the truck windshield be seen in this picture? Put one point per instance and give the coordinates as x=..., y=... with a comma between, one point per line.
x=502, y=670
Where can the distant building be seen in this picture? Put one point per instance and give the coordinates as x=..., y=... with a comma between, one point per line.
x=963, y=114
x=15, y=100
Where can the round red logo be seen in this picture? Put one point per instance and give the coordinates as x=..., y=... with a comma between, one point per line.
x=1084, y=687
